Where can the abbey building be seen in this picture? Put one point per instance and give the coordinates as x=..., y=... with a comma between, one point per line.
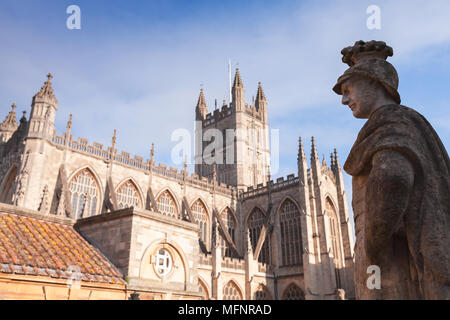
x=80, y=220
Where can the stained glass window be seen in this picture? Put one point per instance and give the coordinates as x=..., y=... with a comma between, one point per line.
x=85, y=194
x=255, y=223
x=262, y=293
x=231, y=292
x=230, y=225
x=293, y=292
x=201, y=216
x=128, y=195
x=290, y=232
x=166, y=205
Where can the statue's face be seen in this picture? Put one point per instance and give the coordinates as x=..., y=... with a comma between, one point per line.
x=360, y=95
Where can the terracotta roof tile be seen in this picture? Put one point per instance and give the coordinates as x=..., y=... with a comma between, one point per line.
x=36, y=247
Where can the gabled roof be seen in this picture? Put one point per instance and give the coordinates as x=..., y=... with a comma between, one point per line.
x=31, y=246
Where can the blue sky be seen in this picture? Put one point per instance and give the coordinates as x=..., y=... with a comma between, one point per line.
x=137, y=66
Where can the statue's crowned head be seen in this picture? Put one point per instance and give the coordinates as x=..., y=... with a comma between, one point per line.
x=368, y=60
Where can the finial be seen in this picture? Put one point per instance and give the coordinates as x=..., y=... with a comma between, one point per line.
x=114, y=138
x=49, y=76
x=185, y=163
x=152, y=152
x=24, y=118
x=13, y=106
x=69, y=123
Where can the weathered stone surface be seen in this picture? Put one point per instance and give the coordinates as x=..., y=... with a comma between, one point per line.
x=401, y=187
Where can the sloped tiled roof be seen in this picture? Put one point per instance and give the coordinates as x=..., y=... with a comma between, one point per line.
x=31, y=246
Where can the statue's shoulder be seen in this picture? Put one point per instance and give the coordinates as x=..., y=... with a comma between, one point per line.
x=396, y=112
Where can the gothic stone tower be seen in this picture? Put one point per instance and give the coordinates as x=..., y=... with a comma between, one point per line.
x=235, y=138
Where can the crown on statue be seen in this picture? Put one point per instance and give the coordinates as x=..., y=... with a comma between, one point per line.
x=365, y=50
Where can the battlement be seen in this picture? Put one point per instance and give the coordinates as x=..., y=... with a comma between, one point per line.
x=264, y=267
x=217, y=115
x=260, y=189
x=233, y=263
x=205, y=259
x=124, y=158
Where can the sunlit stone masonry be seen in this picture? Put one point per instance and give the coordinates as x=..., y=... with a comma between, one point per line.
x=123, y=227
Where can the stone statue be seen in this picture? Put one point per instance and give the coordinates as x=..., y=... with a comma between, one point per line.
x=401, y=184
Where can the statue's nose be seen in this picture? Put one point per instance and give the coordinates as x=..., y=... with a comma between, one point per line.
x=345, y=100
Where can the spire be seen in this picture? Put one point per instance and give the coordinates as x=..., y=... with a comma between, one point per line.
x=260, y=94
x=238, y=93
x=10, y=122
x=336, y=159
x=332, y=160
x=201, y=100
x=314, y=155
x=47, y=89
x=201, y=110
x=301, y=151
x=237, y=80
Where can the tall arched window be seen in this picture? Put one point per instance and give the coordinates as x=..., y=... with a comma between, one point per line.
x=230, y=224
x=128, y=195
x=293, y=292
x=166, y=205
x=8, y=185
x=201, y=216
x=255, y=223
x=262, y=293
x=335, y=238
x=85, y=194
x=231, y=292
x=290, y=232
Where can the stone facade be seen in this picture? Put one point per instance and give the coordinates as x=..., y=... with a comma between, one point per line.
x=226, y=232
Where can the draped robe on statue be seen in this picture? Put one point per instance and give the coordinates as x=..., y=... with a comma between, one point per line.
x=416, y=259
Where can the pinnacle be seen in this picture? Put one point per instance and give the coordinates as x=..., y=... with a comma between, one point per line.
x=47, y=89
x=336, y=158
x=237, y=80
x=260, y=94
x=10, y=122
x=314, y=154
x=201, y=99
x=301, y=150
